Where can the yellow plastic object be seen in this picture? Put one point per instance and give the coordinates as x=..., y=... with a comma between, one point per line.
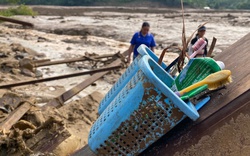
x=213, y=81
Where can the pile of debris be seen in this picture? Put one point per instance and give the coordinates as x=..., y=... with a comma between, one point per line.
x=26, y=126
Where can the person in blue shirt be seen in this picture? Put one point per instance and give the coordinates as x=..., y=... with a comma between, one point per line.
x=141, y=37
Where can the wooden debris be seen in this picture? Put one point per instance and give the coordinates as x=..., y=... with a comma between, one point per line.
x=16, y=21
x=59, y=77
x=15, y=116
x=59, y=101
x=211, y=49
x=41, y=61
x=48, y=136
x=40, y=64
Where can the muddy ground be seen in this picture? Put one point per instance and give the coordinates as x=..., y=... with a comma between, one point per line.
x=61, y=33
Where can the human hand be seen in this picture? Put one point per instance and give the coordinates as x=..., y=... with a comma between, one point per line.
x=128, y=59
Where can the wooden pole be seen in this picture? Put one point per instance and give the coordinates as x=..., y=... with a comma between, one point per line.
x=40, y=64
x=211, y=49
x=16, y=21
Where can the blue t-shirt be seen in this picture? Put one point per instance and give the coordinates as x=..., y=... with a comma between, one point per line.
x=139, y=39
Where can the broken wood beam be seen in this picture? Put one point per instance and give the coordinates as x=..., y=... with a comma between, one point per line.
x=59, y=101
x=48, y=137
x=14, y=116
x=41, y=64
x=60, y=77
x=16, y=21
x=211, y=49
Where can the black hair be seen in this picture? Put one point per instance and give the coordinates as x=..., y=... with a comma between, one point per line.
x=201, y=28
x=145, y=24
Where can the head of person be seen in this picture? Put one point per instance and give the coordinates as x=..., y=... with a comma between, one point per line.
x=201, y=31
x=145, y=28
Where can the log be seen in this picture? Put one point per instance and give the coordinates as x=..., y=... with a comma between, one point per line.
x=16, y=21
x=59, y=77
x=15, y=116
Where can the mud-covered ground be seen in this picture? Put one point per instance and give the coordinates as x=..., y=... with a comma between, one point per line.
x=61, y=33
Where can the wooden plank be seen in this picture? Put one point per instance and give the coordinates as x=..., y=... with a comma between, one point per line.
x=41, y=64
x=188, y=133
x=59, y=77
x=14, y=116
x=236, y=58
x=16, y=21
x=84, y=151
x=59, y=101
x=41, y=61
x=48, y=137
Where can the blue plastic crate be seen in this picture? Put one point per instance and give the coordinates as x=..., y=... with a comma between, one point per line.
x=143, y=111
x=126, y=76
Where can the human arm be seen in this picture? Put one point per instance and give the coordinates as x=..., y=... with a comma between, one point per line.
x=152, y=44
x=153, y=49
x=132, y=46
x=130, y=50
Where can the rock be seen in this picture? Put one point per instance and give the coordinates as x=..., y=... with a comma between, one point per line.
x=52, y=88
x=27, y=64
x=20, y=56
x=38, y=73
x=97, y=96
x=15, y=71
x=69, y=48
x=55, y=18
x=6, y=67
x=23, y=125
x=41, y=55
x=43, y=39
x=3, y=55
x=17, y=47
x=27, y=72
x=30, y=51
x=34, y=53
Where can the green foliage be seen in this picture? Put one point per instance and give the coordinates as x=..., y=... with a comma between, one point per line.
x=13, y=1
x=20, y=10
x=215, y=4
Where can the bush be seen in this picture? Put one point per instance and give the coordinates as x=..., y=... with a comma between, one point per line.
x=20, y=10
